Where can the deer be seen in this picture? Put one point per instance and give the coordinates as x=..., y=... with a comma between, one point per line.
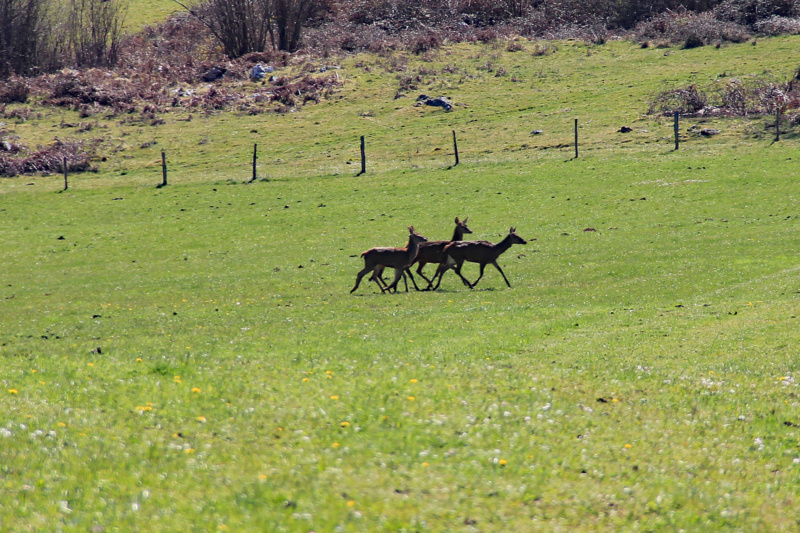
x=432, y=252
x=481, y=252
x=376, y=259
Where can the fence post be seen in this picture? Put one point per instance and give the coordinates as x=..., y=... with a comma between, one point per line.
x=255, y=157
x=455, y=146
x=677, y=140
x=363, y=158
x=163, y=169
x=576, y=138
x=66, y=185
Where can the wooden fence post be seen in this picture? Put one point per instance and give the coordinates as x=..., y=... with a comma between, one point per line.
x=677, y=139
x=576, y=138
x=163, y=169
x=455, y=146
x=363, y=158
x=255, y=158
x=66, y=185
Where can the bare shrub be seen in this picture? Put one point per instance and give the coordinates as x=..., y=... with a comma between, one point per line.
x=544, y=49
x=732, y=97
x=15, y=89
x=776, y=25
x=78, y=155
x=685, y=100
x=426, y=42
x=689, y=29
x=93, y=29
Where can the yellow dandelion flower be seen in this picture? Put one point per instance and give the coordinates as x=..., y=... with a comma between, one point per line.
x=305, y=380
x=335, y=445
x=334, y=397
x=262, y=477
x=614, y=400
x=189, y=450
x=345, y=424
x=89, y=364
x=329, y=372
x=414, y=380
x=13, y=391
x=138, y=359
x=502, y=462
x=201, y=419
x=411, y=398
x=61, y=425
x=426, y=465
x=628, y=446
x=195, y=389
x=351, y=503
x=34, y=371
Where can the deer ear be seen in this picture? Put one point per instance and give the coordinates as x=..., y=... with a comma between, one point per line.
x=465, y=219
x=456, y=220
x=512, y=230
x=411, y=229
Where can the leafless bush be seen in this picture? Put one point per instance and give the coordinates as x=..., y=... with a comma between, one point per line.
x=750, y=12
x=689, y=29
x=684, y=100
x=78, y=155
x=778, y=26
x=732, y=97
x=544, y=49
x=426, y=42
x=15, y=89
x=19, y=114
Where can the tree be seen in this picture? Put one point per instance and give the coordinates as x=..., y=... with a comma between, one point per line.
x=93, y=31
x=244, y=26
x=21, y=35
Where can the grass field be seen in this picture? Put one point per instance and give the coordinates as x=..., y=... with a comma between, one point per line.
x=190, y=358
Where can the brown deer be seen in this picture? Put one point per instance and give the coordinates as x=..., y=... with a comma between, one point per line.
x=376, y=259
x=481, y=252
x=432, y=252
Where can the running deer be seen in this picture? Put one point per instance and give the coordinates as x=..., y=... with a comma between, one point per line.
x=433, y=252
x=376, y=259
x=481, y=252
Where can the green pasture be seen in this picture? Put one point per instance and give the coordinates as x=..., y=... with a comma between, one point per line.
x=140, y=13
x=189, y=358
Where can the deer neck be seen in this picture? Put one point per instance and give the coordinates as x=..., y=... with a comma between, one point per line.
x=503, y=245
x=458, y=234
x=413, y=249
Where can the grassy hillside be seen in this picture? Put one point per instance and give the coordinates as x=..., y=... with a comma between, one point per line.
x=190, y=357
x=140, y=13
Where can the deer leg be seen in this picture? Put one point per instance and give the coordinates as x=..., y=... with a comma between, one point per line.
x=377, y=277
x=413, y=281
x=457, y=268
x=398, y=272
x=501, y=273
x=423, y=276
x=361, y=274
x=441, y=269
x=483, y=266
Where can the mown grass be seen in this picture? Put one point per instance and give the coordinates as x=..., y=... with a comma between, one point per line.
x=190, y=358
